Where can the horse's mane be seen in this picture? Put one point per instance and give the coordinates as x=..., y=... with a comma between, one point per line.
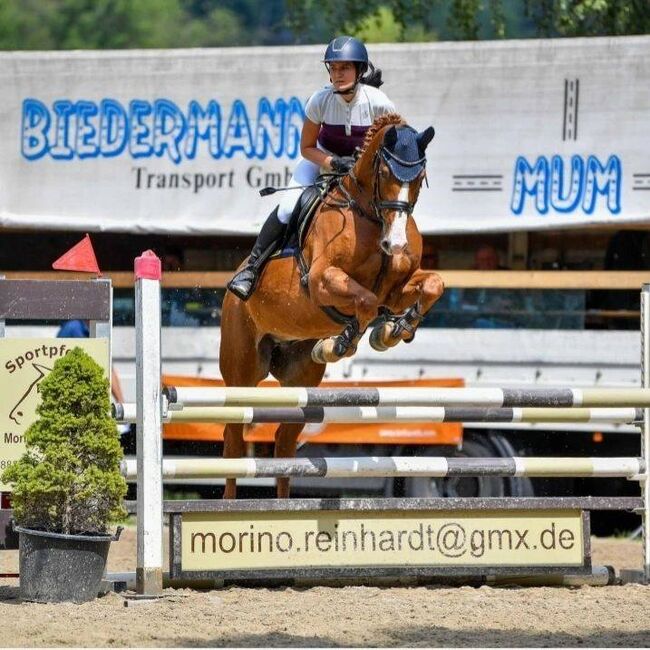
x=379, y=123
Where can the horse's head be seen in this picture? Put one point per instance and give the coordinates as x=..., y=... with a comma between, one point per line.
x=398, y=165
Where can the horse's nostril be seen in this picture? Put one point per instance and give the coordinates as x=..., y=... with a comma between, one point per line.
x=385, y=246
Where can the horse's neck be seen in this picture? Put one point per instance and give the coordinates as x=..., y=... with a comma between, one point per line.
x=359, y=185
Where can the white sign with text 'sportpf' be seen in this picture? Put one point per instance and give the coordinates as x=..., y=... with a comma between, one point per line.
x=24, y=363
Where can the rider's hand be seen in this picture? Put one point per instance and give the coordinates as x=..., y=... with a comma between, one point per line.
x=342, y=164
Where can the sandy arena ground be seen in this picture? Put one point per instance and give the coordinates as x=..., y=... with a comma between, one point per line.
x=347, y=616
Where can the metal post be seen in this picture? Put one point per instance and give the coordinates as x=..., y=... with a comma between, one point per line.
x=149, y=573
x=645, y=433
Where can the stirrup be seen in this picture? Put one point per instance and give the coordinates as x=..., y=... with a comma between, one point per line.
x=244, y=292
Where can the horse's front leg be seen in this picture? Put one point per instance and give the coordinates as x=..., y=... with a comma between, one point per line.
x=233, y=447
x=412, y=302
x=333, y=287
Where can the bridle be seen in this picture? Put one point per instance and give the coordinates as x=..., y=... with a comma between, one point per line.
x=379, y=205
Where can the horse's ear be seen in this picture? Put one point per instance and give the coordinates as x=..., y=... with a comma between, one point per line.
x=390, y=137
x=425, y=137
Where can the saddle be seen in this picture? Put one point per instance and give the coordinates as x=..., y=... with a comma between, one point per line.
x=293, y=243
x=303, y=213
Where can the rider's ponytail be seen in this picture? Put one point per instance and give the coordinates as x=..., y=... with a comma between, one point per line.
x=372, y=77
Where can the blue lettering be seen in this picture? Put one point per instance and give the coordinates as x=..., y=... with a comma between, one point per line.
x=270, y=127
x=35, y=123
x=532, y=181
x=113, y=131
x=603, y=180
x=294, y=121
x=205, y=125
x=586, y=181
x=238, y=132
x=86, y=142
x=62, y=150
x=88, y=129
x=566, y=199
x=169, y=128
x=140, y=137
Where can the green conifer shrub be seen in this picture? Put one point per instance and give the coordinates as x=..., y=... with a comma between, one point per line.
x=68, y=480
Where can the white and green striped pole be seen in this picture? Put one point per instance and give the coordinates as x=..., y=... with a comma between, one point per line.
x=394, y=466
x=377, y=414
x=477, y=397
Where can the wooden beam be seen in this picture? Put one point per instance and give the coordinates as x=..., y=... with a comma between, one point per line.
x=25, y=299
x=630, y=280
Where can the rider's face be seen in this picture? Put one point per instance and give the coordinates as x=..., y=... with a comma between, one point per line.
x=343, y=74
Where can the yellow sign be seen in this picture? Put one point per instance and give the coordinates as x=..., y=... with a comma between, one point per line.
x=213, y=541
x=23, y=365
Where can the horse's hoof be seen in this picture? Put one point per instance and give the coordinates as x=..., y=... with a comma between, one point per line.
x=325, y=351
x=350, y=351
x=381, y=336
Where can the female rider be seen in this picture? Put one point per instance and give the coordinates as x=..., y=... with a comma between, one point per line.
x=338, y=117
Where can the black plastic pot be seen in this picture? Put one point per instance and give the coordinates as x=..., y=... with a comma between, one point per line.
x=58, y=568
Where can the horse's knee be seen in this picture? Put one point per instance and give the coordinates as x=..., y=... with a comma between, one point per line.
x=366, y=305
x=324, y=283
x=434, y=287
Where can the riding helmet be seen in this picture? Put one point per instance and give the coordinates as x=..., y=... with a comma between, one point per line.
x=347, y=48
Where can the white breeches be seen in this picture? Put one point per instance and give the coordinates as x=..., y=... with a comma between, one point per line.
x=305, y=173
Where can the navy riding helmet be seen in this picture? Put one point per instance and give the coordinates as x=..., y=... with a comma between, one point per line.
x=347, y=48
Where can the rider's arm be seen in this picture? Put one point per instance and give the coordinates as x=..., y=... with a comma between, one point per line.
x=308, y=148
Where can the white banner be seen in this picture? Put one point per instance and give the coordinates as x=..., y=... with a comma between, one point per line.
x=529, y=134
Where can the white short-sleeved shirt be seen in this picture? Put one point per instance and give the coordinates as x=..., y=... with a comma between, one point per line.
x=344, y=124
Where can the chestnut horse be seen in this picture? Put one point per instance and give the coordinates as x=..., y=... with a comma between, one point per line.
x=360, y=261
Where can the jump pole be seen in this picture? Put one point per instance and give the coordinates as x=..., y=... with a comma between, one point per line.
x=377, y=414
x=394, y=466
x=149, y=567
x=182, y=397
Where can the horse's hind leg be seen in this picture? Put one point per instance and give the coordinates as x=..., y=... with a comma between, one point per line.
x=243, y=363
x=292, y=365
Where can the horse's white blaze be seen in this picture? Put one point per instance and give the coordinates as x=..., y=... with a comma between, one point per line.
x=396, y=237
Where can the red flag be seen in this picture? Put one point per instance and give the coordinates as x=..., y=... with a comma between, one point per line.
x=81, y=257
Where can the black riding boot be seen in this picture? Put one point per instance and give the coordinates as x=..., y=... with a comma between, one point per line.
x=243, y=284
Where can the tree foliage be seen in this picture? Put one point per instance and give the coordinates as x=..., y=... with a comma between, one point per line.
x=473, y=19
x=589, y=17
x=114, y=24
x=68, y=480
x=117, y=24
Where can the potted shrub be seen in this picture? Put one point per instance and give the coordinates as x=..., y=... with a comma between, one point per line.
x=67, y=487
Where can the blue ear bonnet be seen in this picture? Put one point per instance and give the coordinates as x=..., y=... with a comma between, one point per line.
x=403, y=151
